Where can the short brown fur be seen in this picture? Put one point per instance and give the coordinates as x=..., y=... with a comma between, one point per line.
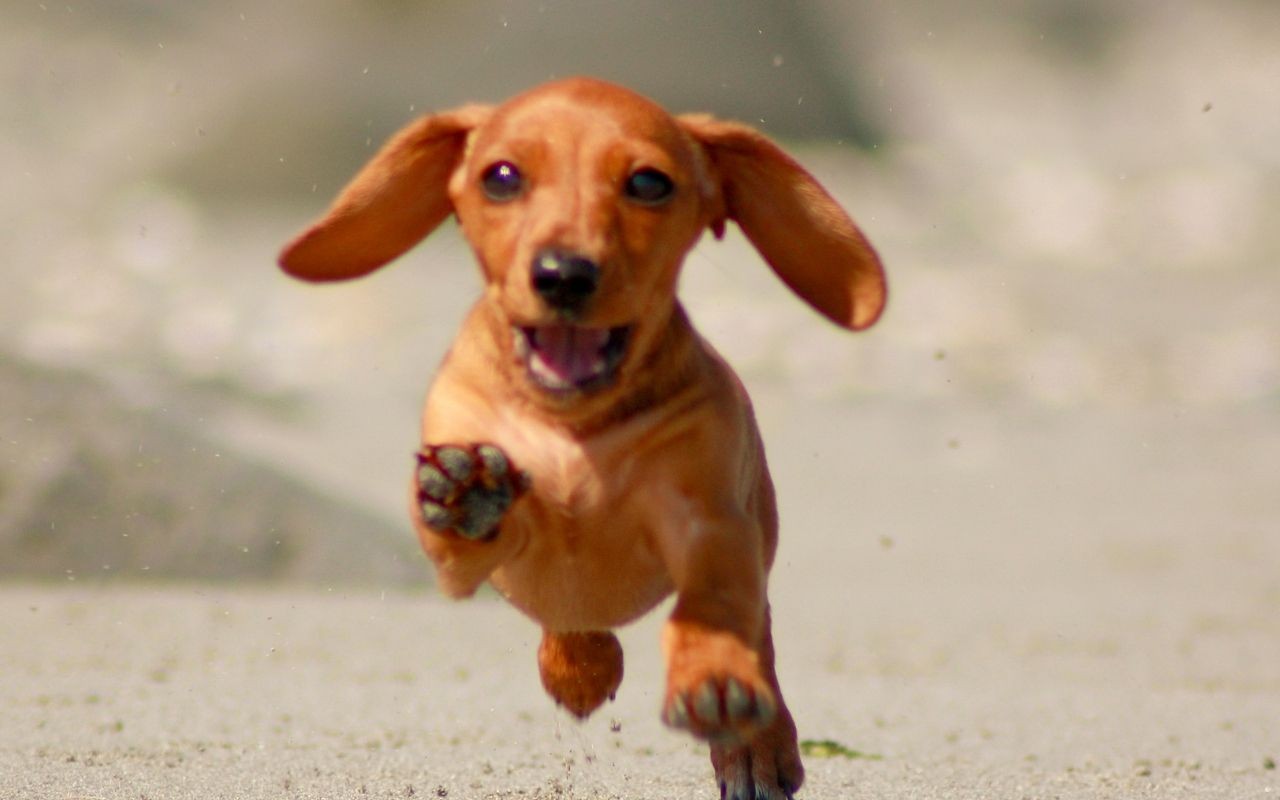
x=655, y=481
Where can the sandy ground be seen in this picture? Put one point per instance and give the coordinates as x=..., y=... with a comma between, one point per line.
x=1031, y=532
x=182, y=693
x=1001, y=616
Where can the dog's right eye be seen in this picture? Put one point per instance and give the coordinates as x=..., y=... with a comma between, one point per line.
x=502, y=182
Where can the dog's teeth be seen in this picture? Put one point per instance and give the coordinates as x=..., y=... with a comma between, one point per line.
x=547, y=375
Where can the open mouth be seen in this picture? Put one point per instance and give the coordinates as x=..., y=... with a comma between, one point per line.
x=564, y=358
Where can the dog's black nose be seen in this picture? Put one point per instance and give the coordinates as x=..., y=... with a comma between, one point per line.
x=564, y=280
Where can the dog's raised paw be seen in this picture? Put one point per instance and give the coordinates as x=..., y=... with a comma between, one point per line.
x=466, y=488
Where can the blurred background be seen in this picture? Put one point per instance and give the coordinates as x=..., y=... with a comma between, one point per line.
x=1077, y=378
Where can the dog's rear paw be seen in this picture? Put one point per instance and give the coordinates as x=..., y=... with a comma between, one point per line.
x=466, y=488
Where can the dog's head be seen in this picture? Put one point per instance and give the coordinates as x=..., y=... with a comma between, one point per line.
x=580, y=200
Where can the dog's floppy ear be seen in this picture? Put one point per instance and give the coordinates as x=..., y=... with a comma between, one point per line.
x=804, y=235
x=395, y=200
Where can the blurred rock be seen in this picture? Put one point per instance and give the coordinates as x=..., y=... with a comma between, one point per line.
x=91, y=488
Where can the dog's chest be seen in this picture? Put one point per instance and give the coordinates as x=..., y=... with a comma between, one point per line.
x=573, y=482
x=589, y=560
x=581, y=502
x=565, y=485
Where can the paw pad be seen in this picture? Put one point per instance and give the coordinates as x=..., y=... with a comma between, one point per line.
x=720, y=709
x=466, y=488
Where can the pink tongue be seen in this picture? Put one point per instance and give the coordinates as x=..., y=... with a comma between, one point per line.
x=569, y=353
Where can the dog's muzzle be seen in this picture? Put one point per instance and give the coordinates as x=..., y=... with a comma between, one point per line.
x=567, y=358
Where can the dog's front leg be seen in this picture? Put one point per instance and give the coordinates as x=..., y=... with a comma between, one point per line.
x=716, y=688
x=721, y=682
x=461, y=494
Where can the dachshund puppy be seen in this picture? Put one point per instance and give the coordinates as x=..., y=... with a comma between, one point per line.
x=584, y=449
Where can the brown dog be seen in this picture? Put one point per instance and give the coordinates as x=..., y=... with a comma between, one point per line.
x=584, y=449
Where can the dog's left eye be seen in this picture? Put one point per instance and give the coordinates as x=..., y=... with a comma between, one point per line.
x=649, y=186
x=502, y=181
